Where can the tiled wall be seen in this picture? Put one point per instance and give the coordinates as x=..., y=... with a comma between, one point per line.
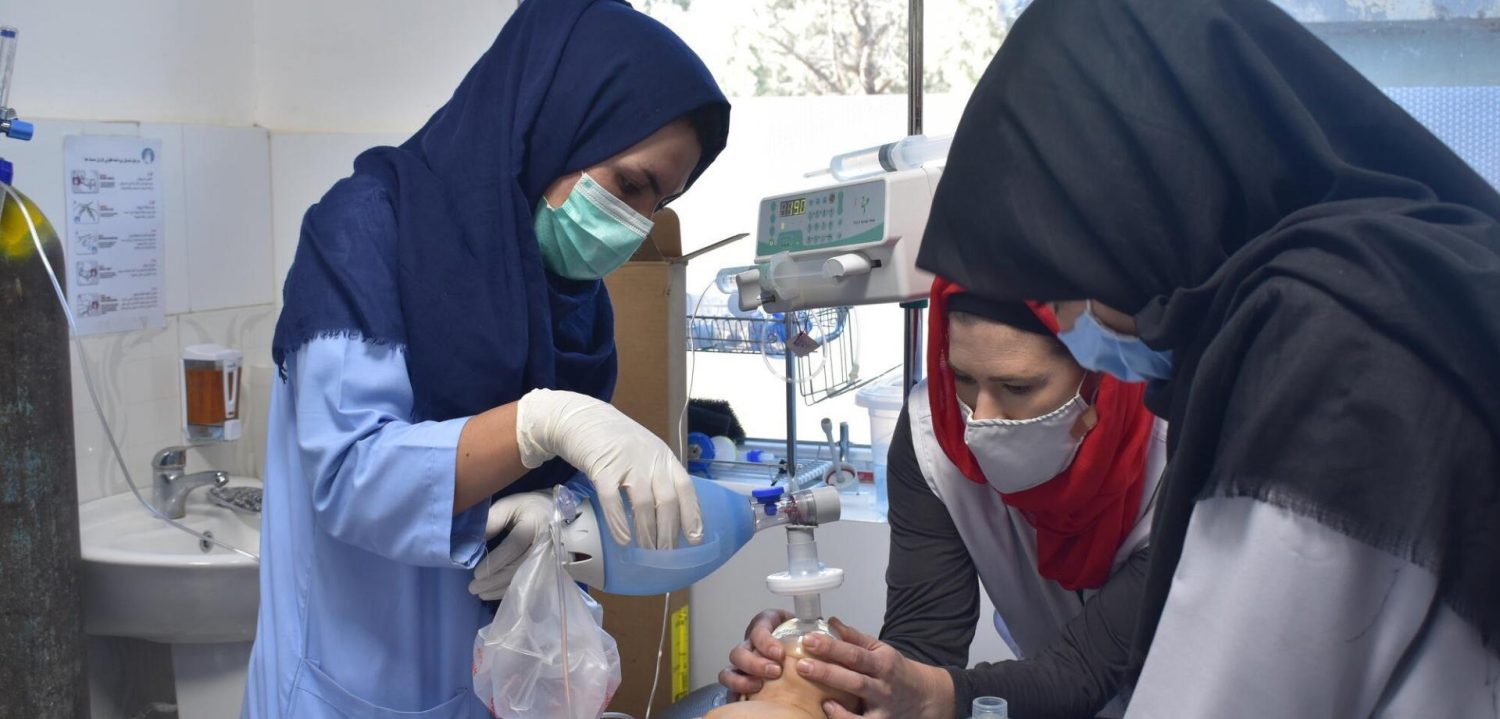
x=220, y=287
x=137, y=377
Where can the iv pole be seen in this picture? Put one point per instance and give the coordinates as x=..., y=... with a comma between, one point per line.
x=790, y=324
x=911, y=358
x=911, y=365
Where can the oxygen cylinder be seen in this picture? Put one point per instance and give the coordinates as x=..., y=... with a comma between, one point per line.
x=41, y=627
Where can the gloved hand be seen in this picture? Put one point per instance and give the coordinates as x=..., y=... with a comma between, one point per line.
x=616, y=454
x=525, y=516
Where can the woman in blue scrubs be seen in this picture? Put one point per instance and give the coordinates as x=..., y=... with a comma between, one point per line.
x=445, y=339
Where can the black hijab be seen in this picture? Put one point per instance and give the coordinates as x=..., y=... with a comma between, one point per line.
x=1325, y=271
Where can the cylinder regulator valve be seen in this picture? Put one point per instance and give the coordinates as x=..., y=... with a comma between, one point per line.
x=13, y=127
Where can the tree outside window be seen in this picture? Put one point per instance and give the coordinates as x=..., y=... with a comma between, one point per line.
x=849, y=47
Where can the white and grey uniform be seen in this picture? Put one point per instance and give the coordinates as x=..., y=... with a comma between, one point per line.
x=949, y=535
x=1364, y=633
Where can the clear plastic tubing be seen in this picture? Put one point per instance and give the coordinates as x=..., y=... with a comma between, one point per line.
x=7, y=63
x=811, y=476
x=904, y=154
x=989, y=708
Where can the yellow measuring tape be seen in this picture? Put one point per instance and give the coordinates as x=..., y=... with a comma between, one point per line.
x=680, y=653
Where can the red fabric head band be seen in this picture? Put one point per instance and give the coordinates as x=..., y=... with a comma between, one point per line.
x=1084, y=514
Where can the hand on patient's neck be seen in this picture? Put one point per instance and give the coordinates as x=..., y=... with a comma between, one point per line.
x=790, y=696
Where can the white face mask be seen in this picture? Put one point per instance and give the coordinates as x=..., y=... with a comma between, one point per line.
x=1018, y=454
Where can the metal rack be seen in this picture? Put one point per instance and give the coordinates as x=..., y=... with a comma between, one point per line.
x=829, y=369
x=838, y=370
x=761, y=333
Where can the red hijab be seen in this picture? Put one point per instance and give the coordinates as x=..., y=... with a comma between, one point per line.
x=1084, y=514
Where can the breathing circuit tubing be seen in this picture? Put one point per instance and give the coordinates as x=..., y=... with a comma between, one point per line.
x=88, y=380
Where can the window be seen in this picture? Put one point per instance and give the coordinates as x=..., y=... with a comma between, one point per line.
x=1439, y=60
x=812, y=79
x=809, y=80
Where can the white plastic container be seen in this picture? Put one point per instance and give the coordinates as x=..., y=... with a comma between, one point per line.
x=990, y=708
x=883, y=398
x=211, y=392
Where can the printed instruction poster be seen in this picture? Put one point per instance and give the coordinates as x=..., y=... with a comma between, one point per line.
x=116, y=275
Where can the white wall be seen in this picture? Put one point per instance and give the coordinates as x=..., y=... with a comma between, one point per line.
x=345, y=65
x=365, y=65
x=157, y=61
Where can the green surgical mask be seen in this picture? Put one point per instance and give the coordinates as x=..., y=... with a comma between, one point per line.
x=591, y=235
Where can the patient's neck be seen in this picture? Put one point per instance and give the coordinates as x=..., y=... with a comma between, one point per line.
x=794, y=691
x=789, y=696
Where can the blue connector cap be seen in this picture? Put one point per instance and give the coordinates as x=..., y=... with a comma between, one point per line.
x=19, y=130
x=768, y=497
x=7, y=171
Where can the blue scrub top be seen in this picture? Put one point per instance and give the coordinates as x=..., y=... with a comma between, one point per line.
x=365, y=609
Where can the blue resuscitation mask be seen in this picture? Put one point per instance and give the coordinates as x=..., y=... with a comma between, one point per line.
x=591, y=235
x=1102, y=349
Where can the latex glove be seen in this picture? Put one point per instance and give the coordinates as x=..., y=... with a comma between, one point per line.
x=526, y=517
x=890, y=685
x=758, y=658
x=618, y=455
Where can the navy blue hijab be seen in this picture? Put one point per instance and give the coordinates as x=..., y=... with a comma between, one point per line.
x=430, y=245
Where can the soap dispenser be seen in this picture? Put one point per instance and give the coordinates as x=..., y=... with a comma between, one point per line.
x=211, y=393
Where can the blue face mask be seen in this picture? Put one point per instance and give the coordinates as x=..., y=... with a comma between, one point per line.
x=591, y=235
x=1101, y=349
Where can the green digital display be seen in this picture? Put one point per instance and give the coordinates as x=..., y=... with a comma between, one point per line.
x=792, y=208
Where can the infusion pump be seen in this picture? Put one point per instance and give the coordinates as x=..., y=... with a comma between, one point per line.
x=852, y=243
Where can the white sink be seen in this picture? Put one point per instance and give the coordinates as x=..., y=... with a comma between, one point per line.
x=145, y=579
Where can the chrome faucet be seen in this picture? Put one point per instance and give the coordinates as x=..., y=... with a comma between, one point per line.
x=170, y=486
x=843, y=443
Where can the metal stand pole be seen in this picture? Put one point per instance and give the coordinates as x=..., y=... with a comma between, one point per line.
x=790, y=324
x=914, y=67
x=911, y=364
x=911, y=370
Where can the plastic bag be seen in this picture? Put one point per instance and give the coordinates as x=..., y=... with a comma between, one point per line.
x=544, y=624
